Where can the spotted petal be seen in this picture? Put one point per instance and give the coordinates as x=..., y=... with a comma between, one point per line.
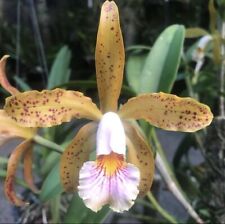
x=168, y=112
x=13, y=163
x=75, y=155
x=28, y=162
x=140, y=154
x=10, y=129
x=109, y=57
x=50, y=107
x=98, y=189
x=3, y=79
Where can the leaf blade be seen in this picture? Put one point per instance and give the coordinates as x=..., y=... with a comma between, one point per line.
x=60, y=72
x=160, y=69
x=134, y=66
x=78, y=213
x=51, y=186
x=195, y=32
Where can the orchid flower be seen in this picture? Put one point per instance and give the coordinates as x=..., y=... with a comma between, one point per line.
x=199, y=52
x=124, y=165
x=9, y=129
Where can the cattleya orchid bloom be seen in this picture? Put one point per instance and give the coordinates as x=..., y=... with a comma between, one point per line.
x=124, y=164
x=10, y=129
x=199, y=52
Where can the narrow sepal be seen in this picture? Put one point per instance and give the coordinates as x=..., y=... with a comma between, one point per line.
x=75, y=155
x=140, y=154
x=50, y=107
x=13, y=164
x=28, y=176
x=168, y=111
x=3, y=79
x=10, y=129
x=109, y=57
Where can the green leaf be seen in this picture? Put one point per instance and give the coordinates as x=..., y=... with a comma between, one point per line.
x=22, y=85
x=53, y=157
x=60, y=72
x=137, y=48
x=195, y=32
x=161, y=65
x=79, y=213
x=55, y=209
x=52, y=185
x=50, y=160
x=134, y=66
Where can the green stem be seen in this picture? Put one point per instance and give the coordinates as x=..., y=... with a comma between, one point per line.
x=171, y=181
x=162, y=211
x=189, y=87
x=190, y=82
x=49, y=144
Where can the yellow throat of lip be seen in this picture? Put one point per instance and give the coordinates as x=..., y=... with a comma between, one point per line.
x=110, y=163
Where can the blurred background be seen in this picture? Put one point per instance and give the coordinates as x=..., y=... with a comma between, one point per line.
x=33, y=31
x=47, y=37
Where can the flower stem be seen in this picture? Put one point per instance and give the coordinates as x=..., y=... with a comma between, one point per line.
x=162, y=211
x=163, y=156
x=49, y=144
x=171, y=181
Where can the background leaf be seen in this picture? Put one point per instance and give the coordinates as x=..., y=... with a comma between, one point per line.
x=60, y=72
x=22, y=84
x=134, y=66
x=161, y=65
x=52, y=185
x=79, y=213
x=195, y=32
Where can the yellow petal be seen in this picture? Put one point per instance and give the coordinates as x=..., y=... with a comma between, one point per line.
x=10, y=129
x=168, y=112
x=28, y=177
x=3, y=79
x=75, y=155
x=140, y=154
x=109, y=57
x=50, y=107
x=13, y=163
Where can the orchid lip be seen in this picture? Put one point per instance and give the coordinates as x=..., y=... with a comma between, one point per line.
x=101, y=184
